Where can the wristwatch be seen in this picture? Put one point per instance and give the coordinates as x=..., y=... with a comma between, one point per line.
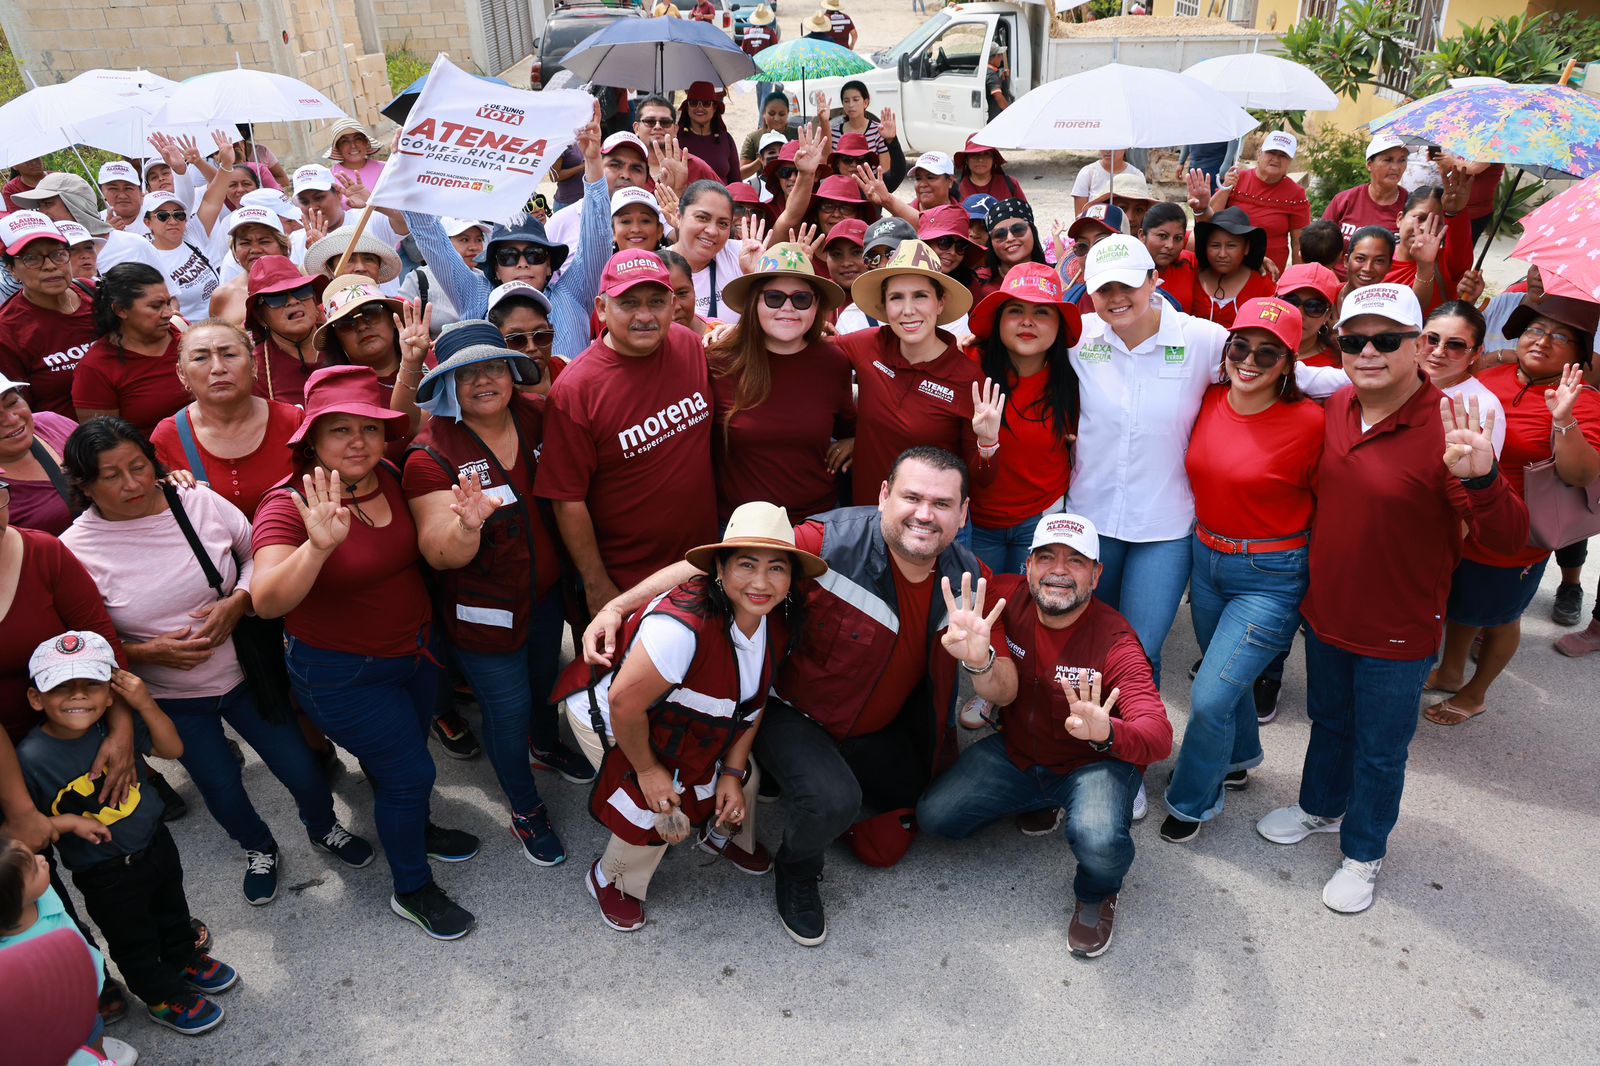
x=729, y=771
x=1111, y=736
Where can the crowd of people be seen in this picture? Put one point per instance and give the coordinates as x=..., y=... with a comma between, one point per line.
x=797, y=438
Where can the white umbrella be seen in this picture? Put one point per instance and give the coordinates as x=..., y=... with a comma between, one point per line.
x=1117, y=106
x=241, y=95
x=43, y=120
x=1265, y=82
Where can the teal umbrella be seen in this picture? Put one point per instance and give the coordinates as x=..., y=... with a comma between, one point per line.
x=809, y=57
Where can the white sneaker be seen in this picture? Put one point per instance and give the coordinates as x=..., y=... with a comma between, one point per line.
x=976, y=713
x=118, y=1052
x=1349, y=890
x=1291, y=825
x=1141, y=804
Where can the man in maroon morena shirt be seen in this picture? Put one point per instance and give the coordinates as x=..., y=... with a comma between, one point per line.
x=1060, y=744
x=1385, y=539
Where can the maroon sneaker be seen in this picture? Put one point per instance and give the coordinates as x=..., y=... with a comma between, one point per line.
x=757, y=862
x=1089, y=934
x=617, y=909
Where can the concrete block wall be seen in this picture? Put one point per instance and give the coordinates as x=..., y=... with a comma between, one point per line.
x=427, y=27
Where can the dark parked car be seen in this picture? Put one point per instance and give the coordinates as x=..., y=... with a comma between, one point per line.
x=567, y=27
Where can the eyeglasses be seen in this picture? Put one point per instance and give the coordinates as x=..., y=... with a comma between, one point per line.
x=877, y=257
x=1539, y=333
x=510, y=257
x=1264, y=357
x=785, y=173
x=802, y=300
x=947, y=244
x=1453, y=345
x=1005, y=233
x=658, y=123
x=171, y=216
x=276, y=300
x=35, y=260
x=371, y=314
x=834, y=207
x=1386, y=343
x=1315, y=306
x=523, y=342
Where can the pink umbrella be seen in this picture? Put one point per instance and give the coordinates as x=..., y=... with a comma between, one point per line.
x=1562, y=238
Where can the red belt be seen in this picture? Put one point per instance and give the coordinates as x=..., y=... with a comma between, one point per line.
x=1229, y=546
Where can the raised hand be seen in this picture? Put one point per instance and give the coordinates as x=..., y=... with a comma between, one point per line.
x=191, y=150
x=316, y=224
x=1199, y=186
x=1427, y=239
x=873, y=189
x=471, y=507
x=816, y=145
x=809, y=238
x=966, y=635
x=589, y=137
x=823, y=105
x=414, y=325
x=1564, y=396
x=1468, y=448
x=672, y=168
x=1087, y=718
x=355, y=193
x=170, y=151
x=888, y=125
x=326, y=518
x=987, y=404
x=752, y=241
x=667, y=197
x=226, y=155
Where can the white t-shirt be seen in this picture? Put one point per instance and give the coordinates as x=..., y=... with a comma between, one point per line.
x=727, y=268
x=1094, y=179
x=191, y=277
x=671, y=647
x=444, y=312
x=1494, y=320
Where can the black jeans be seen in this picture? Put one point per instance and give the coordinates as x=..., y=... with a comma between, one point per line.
x=139, y=905
x=825, y=782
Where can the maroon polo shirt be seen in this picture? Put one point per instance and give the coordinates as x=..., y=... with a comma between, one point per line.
x=1387, y=533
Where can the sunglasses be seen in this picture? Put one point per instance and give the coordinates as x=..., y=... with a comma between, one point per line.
x=510, y=257
x=1005, y=233
x=369, y=315
x=876, y=258
x=284, y=299
x=658, y=123
x=785, y=173
x=1454, y=345
x=947, y=244
x=1386, y=343
x=523, y=342
x=171, y=216
x=1264, y=357
x=802, y=300
x=1315, y=306
x=35, y=260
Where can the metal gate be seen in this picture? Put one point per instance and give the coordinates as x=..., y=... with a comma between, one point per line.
x=507, y=33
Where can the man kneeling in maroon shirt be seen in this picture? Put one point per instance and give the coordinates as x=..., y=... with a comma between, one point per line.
x=1060, y=745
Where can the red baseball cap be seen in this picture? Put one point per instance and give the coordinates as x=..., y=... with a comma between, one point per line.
x=625, y=270
x=1314, y=277
x=1033, y=283
x=1280, y=319
x=850, y=229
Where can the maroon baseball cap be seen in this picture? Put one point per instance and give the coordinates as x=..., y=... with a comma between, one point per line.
x=850, y=229
x=625, y=270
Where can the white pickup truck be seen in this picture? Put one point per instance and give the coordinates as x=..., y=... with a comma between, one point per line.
x=934, y=78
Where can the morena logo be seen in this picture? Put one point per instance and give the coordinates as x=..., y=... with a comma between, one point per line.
x=627, y=266
x=1077, y=123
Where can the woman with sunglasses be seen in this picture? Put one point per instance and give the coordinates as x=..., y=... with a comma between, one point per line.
x=131, y=371
x=945, y=230
x=522, y=315
x=1252, y=464
x=45, y=329
x=1313, y=290
x=1451, y=341
x=702, y=132
x=1012, y=239
x=980, y=171
x=363, y=327
x=784, y=416
x=1549, y=412
x=836, y=199
x=282, y=309
x=183, y=245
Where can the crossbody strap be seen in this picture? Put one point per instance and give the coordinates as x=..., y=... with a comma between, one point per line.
x=191, y=447
x=52, y=470
x=209, y=568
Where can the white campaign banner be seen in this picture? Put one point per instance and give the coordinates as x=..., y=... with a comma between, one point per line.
x=472, y=149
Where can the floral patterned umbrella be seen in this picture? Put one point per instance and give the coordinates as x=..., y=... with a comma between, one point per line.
x=1562, y=238
x=1550, y=131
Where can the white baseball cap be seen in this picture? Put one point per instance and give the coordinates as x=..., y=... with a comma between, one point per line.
x=770, y=138
x=1382, y=143
x=521, y=290
x=1397, y=303
x=74, y=655
x=273, y=200
x=312, y=176
x=117, y=170
x=153, y=200
x=260, y=216
x=455, y=227
x=936, y=163
x=623, y=137
x=74, y=234
x=1075, y=531
x=630, y=195
x=21, y=228
x=1280, y=141
x=1118, y=258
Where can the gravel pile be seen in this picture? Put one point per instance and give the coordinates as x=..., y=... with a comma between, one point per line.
x=1149, y=26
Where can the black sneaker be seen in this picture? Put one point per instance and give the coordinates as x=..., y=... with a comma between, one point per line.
x=261, y=876
x=450, y=845
x=1266, y=693
x=538, y=838
x=344, y=846
x=1237, y=781
x=564, y=761
x=174, y=805
x=434, y=912
x=1569, y=605
x=800, y=906
x=1179, y=831
x=455, y=736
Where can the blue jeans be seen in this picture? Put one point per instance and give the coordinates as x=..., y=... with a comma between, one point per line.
x=513, y=690
x=215, y=773
x=1145, y=581
x=1245, y=610
x=378, y=710
x=1004, y=550
x=1363, y=714
x=985, y=785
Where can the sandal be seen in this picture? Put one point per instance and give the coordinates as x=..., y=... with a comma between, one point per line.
x=113, y=1003
x=1446, y=713
x=202, y=935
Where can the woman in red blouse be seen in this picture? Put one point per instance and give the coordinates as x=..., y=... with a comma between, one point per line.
x=336, y=558
x=1252, y=461
x=1229, y=251
x=1549, y=411
x=228, y=437
x=131, y=371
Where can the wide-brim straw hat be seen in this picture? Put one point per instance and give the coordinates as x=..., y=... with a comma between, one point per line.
x=344, y=296
x=912, y=258
x=762, y=16
x=756, y=525
x=350, y=125
x=785, y=260
x=330, y=248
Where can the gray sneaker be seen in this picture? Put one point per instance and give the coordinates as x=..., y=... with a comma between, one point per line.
x=1291, y=825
